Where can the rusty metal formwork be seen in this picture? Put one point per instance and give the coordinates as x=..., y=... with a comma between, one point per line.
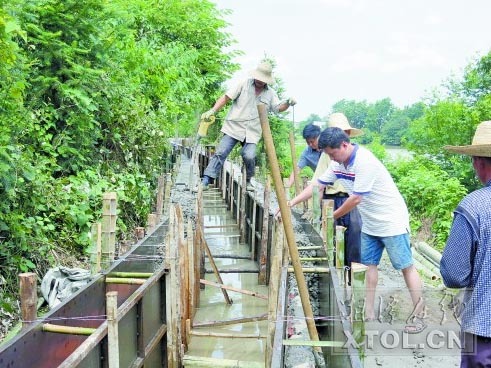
x=141, y=314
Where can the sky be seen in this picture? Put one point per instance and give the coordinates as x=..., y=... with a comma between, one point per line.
x=329, y=50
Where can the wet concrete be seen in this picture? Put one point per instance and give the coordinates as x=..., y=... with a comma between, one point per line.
x=223, y=243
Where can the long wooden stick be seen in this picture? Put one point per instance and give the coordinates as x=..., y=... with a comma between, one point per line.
x=232, y=321
x=231, y=288
x=287, y=223
x=214, y=266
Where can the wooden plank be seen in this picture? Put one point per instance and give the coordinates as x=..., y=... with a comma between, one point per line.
x=28, y=297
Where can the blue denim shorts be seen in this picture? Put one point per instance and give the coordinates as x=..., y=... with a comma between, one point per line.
x=398, y=248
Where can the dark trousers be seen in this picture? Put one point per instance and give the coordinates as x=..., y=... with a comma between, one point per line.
x=352, y=236
x=476, y=351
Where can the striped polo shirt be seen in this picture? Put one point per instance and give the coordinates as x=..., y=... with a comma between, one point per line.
x=382, y=208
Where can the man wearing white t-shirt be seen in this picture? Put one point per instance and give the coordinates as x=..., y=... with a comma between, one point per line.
x=385, y=218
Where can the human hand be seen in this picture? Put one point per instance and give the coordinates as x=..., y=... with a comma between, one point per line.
x=207, y=115
x=291, y=101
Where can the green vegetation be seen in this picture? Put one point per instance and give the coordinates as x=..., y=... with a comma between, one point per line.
x=91, y=91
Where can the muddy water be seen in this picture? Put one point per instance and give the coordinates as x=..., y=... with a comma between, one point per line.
x=223, y=242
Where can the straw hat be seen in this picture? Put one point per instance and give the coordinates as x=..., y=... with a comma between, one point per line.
x=339, y=120
x=263, y=72
x=481, y=143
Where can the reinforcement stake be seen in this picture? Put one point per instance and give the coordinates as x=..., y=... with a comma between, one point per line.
x=288, y=226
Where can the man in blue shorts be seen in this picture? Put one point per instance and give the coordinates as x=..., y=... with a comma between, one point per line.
x=384, y=215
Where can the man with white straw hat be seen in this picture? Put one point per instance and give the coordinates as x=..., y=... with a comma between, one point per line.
x=338, y=193
x=242, y=123
x=466, y=259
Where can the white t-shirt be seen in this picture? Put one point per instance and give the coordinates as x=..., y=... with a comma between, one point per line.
x=382, y=208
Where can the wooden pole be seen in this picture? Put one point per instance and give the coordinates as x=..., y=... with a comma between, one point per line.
x=329, y=244
x=28, y=297
x=253, y=229
x=112, y=329
x=232, y=321
x=263, y=248
x=287, y=224
x=214, y=267
x=231, y=288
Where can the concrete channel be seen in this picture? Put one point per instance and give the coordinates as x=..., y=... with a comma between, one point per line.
x=248, y=330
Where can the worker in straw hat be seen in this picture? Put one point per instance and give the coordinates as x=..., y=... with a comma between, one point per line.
x=242, y=123
x=351, y=220
x=466, y=259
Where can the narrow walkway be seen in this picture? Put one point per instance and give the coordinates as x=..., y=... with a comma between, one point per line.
x=238, y=271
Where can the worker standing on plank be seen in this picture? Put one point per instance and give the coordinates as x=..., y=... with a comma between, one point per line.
x=242, y=121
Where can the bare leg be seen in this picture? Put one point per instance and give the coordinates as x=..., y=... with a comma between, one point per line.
x=413, y=283
x=372, y=280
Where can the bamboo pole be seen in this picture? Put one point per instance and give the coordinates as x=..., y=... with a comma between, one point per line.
x=112, y=329
x=287, y=224
x=424, y=270
x=190, y=270
x=328, y=207
x=170, y=282
x=144, y=275
x=296, y=173
x=28, y=297
x=358, y=300
x=214, y=267
x=95, y=234
x=108, y=229
x=273, y=290
x=426, y=263
x=183, y=274
x=253, y=229
x=232, y=321
x=242, y=227
x=126, y=281
x=231, y=288
x=340, y=246
x=68, y=330
x=159, y=206
x=263, y=248
x=429, y=252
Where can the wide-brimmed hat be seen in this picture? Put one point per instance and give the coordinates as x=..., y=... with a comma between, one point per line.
x=263, y=72
x=481, y=143
x=339, y=120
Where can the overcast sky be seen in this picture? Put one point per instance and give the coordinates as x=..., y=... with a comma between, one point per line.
x=328, y=50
